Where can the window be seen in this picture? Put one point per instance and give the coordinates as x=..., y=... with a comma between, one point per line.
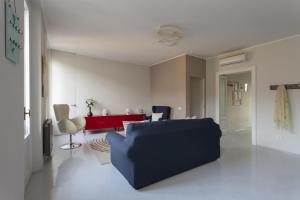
x=26, y=72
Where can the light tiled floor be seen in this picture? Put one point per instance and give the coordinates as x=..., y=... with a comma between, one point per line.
x=243, y=172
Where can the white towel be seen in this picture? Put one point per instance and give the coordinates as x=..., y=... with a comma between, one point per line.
x=282, y=109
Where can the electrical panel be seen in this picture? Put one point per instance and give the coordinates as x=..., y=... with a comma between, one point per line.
x=12, y=32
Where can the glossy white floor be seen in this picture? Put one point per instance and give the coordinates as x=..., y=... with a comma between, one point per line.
x=243, y=172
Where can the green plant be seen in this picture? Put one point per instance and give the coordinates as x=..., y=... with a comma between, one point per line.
x=90, y=103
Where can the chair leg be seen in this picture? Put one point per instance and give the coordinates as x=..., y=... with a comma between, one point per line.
x=70, y=145
x=71, y=142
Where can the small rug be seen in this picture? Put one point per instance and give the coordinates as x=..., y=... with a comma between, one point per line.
x=99, y=147
x=99, y=144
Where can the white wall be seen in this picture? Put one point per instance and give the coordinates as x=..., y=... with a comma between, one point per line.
x=197, y=97
x=169, y=86
x=195, y=68
x=211, y=74
x=276, y=63
x=11, y=119
x=115, y=86
x=36, y=37
x=171, y=83
x=38, y=46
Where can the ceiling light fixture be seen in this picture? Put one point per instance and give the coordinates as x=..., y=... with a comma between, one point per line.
x=169, y=34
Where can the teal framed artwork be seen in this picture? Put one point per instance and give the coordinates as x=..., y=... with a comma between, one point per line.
x=12, y=32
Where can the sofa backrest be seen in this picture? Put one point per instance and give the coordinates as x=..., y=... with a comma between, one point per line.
x=176, y=127
x=178, y=137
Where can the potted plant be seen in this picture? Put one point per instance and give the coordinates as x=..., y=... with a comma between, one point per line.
x=90, y=103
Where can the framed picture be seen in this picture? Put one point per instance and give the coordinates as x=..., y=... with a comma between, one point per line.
x=236, y=94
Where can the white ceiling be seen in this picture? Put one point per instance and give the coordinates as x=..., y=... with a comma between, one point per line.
x=122, y=30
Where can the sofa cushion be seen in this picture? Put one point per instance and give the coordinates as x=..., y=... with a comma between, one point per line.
x=126, y=123
x=156, y=116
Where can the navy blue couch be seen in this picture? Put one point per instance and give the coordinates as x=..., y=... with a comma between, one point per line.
x=154, y=151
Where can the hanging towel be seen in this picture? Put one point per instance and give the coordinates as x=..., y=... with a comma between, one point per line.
x=282, y=109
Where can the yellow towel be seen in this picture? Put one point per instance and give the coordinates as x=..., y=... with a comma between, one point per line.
x=282, y=109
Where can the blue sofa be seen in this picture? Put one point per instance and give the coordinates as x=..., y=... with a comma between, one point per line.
x=154, y=151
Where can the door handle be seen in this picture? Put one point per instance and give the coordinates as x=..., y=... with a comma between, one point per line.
x=73, y=105
x=26, y=113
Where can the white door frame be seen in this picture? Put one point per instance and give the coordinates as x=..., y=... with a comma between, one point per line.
x=235, y=70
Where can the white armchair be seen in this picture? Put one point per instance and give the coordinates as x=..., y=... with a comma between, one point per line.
x=66, y=125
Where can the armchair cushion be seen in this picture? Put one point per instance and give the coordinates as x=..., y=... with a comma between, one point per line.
x=79, y=122
x=67, y=126
x=61, y=111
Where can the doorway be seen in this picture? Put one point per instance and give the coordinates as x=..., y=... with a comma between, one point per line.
x=197, y=100
x=236, y=102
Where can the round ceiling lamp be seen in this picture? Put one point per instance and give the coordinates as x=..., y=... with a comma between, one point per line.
x=169, y=34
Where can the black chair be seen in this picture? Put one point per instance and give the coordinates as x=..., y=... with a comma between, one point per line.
x=166, y=110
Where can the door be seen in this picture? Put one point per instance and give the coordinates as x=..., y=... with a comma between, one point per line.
x=223, y=104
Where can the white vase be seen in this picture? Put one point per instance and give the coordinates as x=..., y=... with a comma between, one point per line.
x=104, y=112
x=128, y=111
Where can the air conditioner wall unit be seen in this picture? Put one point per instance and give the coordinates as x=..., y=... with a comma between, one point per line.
x=233, y=59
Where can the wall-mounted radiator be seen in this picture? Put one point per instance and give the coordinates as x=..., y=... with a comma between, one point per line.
x=47, y=138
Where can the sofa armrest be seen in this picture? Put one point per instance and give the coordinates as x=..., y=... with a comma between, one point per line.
x=117, y=141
